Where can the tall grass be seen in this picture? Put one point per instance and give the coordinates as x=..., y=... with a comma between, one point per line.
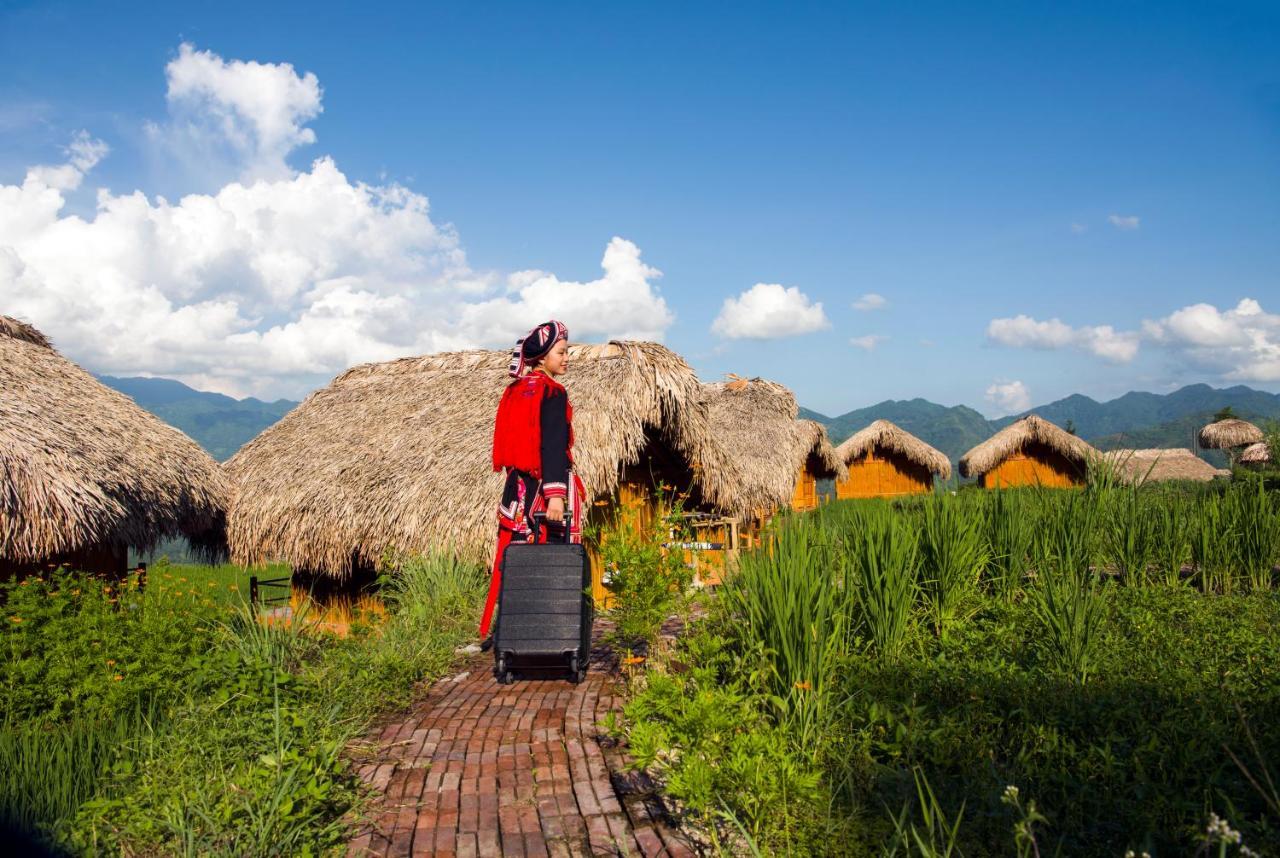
x=792, y=600
x=1132, y=533
x=1254, y=526
x=884, y=562
x=1009, y=533
x=952, y=557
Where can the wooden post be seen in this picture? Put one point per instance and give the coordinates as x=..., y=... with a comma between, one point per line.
x=142, y=577
x=253, y=590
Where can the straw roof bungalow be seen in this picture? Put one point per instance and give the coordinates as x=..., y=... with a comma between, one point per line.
x=776, y=459
x=1029, y=451
x=1256, y=455
x=396, y=456
x=1228, y=434
x=1162, y=465
x=85, y=473
x=885, y=460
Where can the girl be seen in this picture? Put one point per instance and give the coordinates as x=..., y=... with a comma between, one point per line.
x=533, y=442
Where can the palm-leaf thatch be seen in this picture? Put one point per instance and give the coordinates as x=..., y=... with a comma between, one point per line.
x=1018, y=435
x=1161, y=465
x=1256, y=454
x=82, y=467
x=1228, y=434
x=755, y=425
x=397, y=456
x=883, y=435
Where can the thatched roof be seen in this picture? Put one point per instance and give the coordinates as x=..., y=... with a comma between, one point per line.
x=1161, y=465
x=397, y=455
x=1226, y=434
x=883, y=435
x=755, y=424
x=1017, y=435
x=1256, y=454
x=82, y=466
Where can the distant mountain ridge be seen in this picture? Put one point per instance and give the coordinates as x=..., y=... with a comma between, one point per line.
x=215, y=421
x=1134, y=420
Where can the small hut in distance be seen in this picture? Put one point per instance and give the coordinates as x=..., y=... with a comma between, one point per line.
x=1231, y=434
x=885, y=460
x=1029, y=452
x=85, y=473
x=1257, y=455
x=1154, y=466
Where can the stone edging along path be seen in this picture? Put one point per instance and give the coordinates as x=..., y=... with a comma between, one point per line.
x=481, y=769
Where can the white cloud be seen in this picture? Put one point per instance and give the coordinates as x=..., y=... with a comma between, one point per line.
x=868, y=342
x=1124, y=222
x=248, y=113
x=769, y=311
x=1103, y=341
x=1079, y=228
x=870, y=301
x=1241, y=344
x=1009, y=397
x=271, y=287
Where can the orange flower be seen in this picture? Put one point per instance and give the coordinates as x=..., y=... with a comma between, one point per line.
x=633, y=659
x=804, y=685
x=110, y=662
x=15, y=619
x=106, y=589
x=117, y=678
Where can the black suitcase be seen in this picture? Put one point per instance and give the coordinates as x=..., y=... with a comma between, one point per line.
x=544, y=609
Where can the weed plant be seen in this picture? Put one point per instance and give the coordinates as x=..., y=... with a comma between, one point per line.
x=952, y=558
x=883, y=558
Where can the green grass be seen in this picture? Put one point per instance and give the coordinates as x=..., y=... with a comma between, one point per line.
x=1064, y=650
x=172, y=722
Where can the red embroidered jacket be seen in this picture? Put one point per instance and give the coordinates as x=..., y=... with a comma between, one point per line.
x=533, y=432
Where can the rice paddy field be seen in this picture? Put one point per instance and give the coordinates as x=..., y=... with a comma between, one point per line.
x=1022, y=672
x=171, y=720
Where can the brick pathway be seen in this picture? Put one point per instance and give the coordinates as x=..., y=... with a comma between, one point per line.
x=481, y=769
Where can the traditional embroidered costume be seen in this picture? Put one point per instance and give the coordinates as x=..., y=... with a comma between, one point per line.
x=533, y=443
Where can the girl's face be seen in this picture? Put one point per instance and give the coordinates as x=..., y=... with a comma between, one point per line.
x=557, y=360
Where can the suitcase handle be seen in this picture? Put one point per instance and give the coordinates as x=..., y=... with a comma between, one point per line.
x=568, y=524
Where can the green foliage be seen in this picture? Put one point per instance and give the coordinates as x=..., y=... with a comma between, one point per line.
x=647, y=582
x=174, y=721
x=952, y=558
x=1131, y=710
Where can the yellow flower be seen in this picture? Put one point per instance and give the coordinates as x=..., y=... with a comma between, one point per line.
x=803, y=685
x=233, y=588
x=106, y=589
x=117, y=678
x=75, y=592
x=110, y=662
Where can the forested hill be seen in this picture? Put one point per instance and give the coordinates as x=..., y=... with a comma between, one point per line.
x=218, y=423
x=1133, y=420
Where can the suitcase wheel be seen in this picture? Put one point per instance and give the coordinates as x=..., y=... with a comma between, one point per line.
x=577, y=669
x=501, y=671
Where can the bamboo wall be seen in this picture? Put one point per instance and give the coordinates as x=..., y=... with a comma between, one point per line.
x=879, y=473
x=806, y=493
x=1034, y=465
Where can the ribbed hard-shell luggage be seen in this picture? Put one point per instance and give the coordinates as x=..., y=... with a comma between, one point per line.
x=544, y=609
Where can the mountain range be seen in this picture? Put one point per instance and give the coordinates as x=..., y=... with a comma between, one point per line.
x=218, y=423
x=1135, y=420
x=222, y=424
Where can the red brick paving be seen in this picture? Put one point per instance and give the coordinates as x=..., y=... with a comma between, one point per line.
x=480, y=769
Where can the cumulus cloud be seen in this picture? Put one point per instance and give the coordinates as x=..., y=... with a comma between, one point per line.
x=867, y=342
x=1124, y=222
x=247, y=113
x=769, y=311
x=1103, y=341
x=271, y=286
x=1241, y=344
x=870, y=301
x=1009, y=397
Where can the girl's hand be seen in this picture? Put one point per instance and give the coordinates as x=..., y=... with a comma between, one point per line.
x=555, y=510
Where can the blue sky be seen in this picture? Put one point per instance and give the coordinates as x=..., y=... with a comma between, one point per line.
x=1114, y=167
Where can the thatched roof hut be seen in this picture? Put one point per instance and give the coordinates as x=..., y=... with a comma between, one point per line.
x=775, y=458
x=396, y=456
x=885, y=460
x=1162, y=465
x=1228, y=434
x=1029, y=451
x=1256, y=455
x=85, y=473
